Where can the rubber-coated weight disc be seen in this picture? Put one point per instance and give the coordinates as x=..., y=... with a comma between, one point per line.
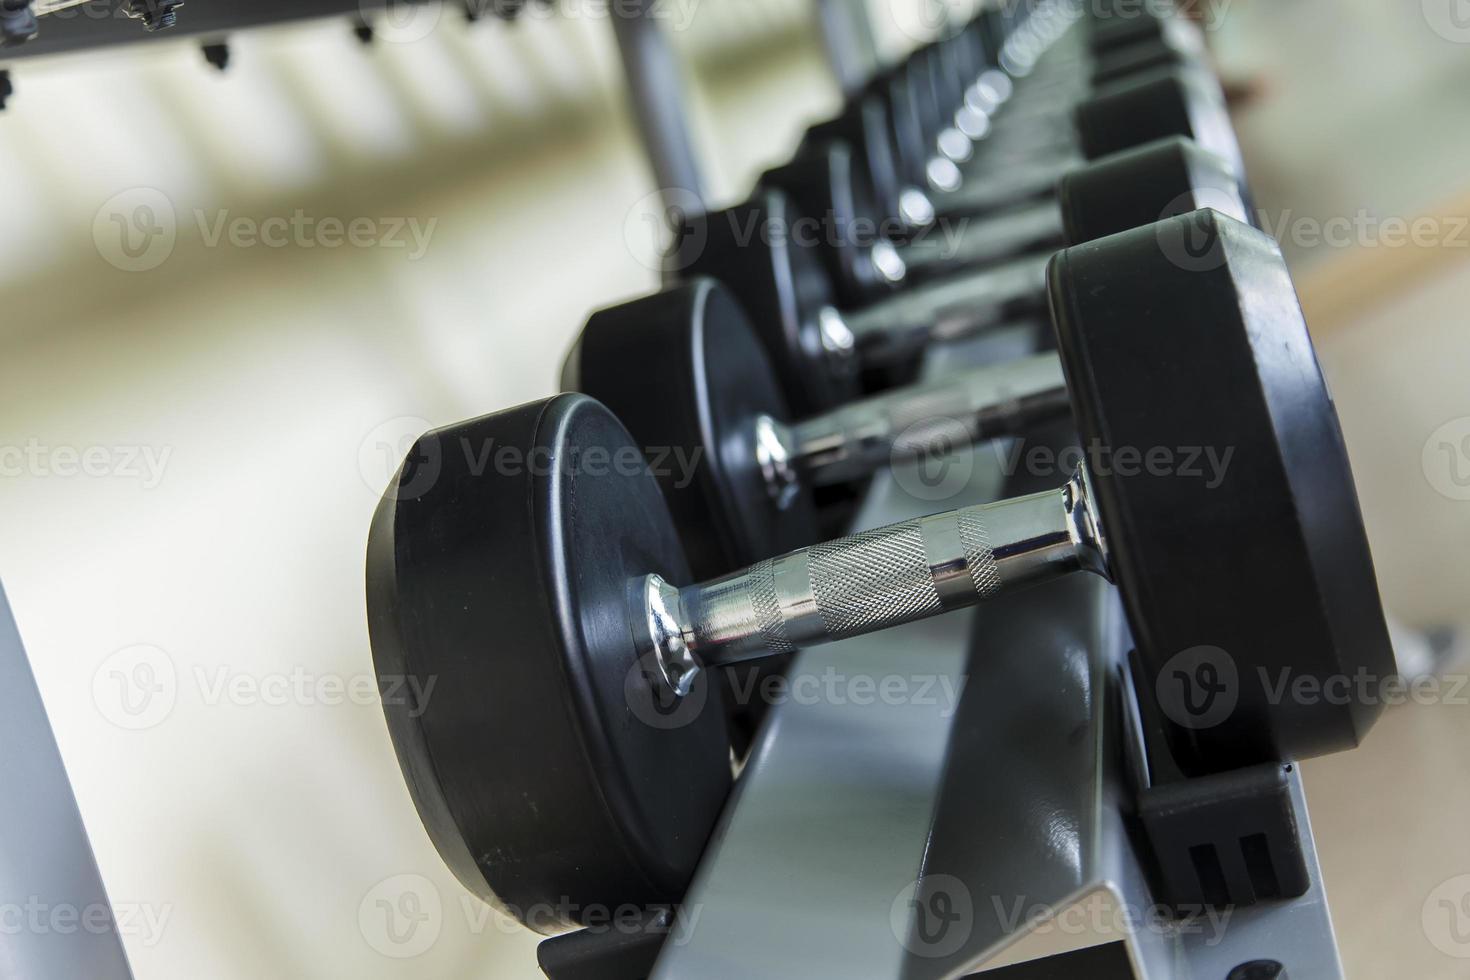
x=1155, y=105
x=685, y=373
x=498, y=575
x=1140, y=186
x=764, y=252
x=1244, y=573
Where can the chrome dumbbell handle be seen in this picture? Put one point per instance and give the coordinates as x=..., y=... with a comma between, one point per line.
x=958, y=307
x=962, y=243
x=909, y=423
x=867, y=582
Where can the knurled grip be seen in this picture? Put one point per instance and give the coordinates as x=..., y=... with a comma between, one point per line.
x=872, y=579
x=887, y=577
x=767, y=607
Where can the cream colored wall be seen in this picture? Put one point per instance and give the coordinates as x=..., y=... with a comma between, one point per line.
x=270, y=377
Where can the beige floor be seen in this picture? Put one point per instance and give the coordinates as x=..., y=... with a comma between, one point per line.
x=256, y=829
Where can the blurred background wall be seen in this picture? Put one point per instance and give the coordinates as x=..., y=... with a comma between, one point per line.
x=195, y=428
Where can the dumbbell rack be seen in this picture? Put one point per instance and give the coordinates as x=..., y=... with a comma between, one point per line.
x=852, y=820
x=1012, y=799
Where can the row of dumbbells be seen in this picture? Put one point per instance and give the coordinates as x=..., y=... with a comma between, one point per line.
x=574, y=600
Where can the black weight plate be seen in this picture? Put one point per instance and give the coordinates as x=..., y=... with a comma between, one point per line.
x=498, y=571
x=765, y=252
x=685, y=373
x=1122, y=28
x=863, y=126
x=1155, y=105
x=1250, y=571
x=1140, y=186
x=824, y=180
x=1120, y=64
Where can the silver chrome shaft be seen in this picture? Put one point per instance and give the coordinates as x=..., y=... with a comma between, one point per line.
x=869, y=581
x=935, y=418
x=952, y=309
x=961, y=242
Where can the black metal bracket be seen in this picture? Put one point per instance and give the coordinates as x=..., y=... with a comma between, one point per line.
x=1218, y=839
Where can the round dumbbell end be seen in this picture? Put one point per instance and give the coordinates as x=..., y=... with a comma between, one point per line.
x=1225, y=492
x=1137, y=187
x=1117, y=29
x=686, y=373
x=1156, y=105
x=550, y=779
x=763, y=250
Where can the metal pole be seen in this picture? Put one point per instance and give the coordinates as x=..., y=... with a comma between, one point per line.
x=45, y=856
x=656, y=91
x=847, y=36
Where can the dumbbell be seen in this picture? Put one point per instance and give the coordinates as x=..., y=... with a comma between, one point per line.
x=778, y=275
x=1173, y=102
x=953, y=115
x=751, y=493
x=1123, y=189
x=944, y=112
x=1155, y=107
x=926, y=148
x=887, y=112
x=569, y=760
